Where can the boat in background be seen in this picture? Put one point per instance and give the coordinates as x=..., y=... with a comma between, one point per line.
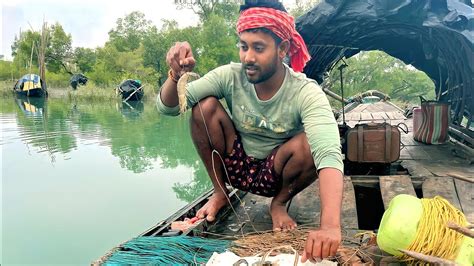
x=131, y=90
x=30, y=85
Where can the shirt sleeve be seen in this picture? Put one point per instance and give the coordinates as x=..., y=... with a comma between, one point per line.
x=320, y=127
x=215, y=83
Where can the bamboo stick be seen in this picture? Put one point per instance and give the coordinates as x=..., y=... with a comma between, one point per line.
x=461, y=177
x=461, y=135
x=463, y=230
x=427, y=258
x=132, y=94
x=335, y=96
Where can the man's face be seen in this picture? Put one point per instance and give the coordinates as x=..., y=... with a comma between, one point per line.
x=259, y=56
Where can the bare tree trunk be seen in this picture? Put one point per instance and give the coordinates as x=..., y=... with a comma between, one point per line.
x=42, y=56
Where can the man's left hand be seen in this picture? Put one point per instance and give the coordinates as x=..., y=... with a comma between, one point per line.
x=322, y=243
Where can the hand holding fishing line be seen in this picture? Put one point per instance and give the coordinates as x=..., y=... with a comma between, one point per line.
x=180, y=59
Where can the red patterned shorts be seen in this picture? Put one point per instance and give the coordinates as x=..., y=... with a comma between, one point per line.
x=250, y=174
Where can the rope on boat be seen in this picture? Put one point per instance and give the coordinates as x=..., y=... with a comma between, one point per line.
x=184, y=250
x=433, y=237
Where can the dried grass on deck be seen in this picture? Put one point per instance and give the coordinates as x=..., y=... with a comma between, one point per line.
x=257, y=244
x=252, y=244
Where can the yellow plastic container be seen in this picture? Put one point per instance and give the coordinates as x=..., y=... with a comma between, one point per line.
x=399, y=224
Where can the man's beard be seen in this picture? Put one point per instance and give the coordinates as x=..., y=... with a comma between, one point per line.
x=261, y=76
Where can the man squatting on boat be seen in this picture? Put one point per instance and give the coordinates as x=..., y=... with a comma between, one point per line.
x=280, y=134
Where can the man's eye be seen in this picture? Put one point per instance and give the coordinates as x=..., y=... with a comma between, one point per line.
x=242, y=46
x=259, y=49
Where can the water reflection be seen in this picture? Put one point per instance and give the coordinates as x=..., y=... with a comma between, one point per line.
x=31, y=106
x=79, y=178
x=131, y=109
x=48, y=132
x=136, y=134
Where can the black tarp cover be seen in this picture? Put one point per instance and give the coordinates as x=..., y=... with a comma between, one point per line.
x=129, y=85
x=435, y=36
x=78, y=79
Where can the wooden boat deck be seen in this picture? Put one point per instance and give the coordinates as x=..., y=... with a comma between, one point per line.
x=422, y=170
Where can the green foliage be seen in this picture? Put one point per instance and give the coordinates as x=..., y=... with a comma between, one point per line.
x=221, y=50
x=57, y=80
x=204, y=9
x=303, y=6
x=85, y=59
x=91, y=93
x=22, y=49
x=8, y=71
x=376, y=70
x=157, y=44
x=137, y=50
x=58, y=48
x=6, y=89
x=129, y=32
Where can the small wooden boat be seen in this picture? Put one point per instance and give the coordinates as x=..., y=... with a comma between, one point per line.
x=130, y=90
x=30, y=85
x=421, y=171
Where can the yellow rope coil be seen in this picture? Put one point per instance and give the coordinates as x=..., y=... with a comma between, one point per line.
x=433, y=237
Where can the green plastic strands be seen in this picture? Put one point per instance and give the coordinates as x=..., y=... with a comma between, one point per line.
x=176, y=250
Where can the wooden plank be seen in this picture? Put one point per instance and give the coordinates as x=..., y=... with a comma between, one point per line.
x=364, y=116
x=395, y=115
x=437, y=152
x=352, y=116
x=441, y=186
x=465, y=192
x=391, y=115
x=356, y=116
x=417, y=153
x=407, y=140
x=450, y=165
x=305, y=207
x=349, y=209
x=252, y=212
x=393, y=185
x=395, y=122
x=405, y=155
x=416, y=169
x=379, y=116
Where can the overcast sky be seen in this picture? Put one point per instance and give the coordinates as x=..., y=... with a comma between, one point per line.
x=88, y=21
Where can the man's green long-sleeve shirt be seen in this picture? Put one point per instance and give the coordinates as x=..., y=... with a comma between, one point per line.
x=299, y=105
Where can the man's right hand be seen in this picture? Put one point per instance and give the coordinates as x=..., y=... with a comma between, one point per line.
x=180, y=58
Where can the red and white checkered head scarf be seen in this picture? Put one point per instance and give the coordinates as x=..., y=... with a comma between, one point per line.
x=280, y=23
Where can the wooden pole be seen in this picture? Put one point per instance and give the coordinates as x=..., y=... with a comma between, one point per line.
x=42, y=55
x=132, y=94
x=427, y=258
x=461, y=177
x=462, y=230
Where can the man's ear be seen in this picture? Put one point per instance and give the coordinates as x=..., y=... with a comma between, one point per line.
x=283, y=48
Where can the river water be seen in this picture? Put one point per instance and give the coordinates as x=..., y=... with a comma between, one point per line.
x=81, y=178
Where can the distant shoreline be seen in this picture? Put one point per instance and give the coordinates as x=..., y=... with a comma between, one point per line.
x=87, y=92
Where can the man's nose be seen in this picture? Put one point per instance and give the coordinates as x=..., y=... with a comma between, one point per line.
x=249, y=56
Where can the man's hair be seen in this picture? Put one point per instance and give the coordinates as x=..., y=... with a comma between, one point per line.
x=275, y=4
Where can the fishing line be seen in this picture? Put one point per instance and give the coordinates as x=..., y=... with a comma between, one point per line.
x=181, y=85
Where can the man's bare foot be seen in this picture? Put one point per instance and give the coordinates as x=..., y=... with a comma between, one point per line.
x=212, y=207
x=280, y=218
